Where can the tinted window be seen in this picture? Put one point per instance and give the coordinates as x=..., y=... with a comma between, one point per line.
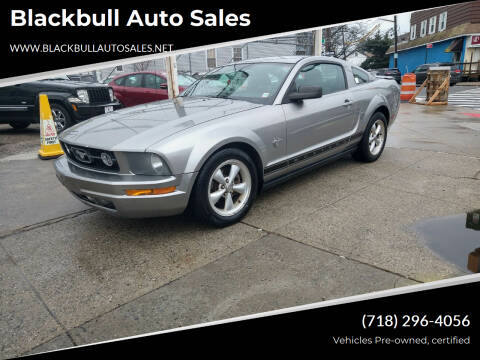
x=120, y=81
x=329, y=77
x=133, y=80
x=360, y=76
x=153, y=81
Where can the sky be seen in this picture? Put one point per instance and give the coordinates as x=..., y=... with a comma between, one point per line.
x=403, y=21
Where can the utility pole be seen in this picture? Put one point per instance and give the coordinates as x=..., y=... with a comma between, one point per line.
x=395, y=40
x=318, y=42
x=395, y=54
x=172, y=82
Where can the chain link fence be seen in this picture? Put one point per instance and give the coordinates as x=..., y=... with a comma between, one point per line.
x=199, y=62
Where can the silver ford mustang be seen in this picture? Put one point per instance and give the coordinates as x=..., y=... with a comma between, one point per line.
x=239, y=129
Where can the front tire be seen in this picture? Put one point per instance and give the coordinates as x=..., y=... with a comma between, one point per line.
x=225, y=188
x=61, y=117
x=374, y=139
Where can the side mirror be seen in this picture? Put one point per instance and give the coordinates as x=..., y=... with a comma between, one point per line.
x=164, y=86
x=305, y=92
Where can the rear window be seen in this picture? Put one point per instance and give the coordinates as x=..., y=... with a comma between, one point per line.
x=360, y=76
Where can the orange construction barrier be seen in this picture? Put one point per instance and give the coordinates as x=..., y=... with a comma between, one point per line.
x=409, y=82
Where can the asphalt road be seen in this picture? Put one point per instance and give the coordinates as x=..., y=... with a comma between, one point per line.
x=70, y=275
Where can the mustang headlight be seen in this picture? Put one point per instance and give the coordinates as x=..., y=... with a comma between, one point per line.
x=147, y=164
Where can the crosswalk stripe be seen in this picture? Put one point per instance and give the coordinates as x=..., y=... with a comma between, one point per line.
x=467, y=98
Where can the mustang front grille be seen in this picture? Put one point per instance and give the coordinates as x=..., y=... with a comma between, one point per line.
x=91, y=158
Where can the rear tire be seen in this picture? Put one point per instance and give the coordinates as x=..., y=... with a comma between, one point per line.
x=374, y=139
x=19, y=125
x=225, y=189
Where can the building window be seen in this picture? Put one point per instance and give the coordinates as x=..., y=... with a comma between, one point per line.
x=413, y=32
x=423, y=28
x=211, y=58
x=442, y=21
x=237, y=54
x=432, y=24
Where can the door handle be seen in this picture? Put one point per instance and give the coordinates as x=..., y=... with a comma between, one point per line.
x=347, y=102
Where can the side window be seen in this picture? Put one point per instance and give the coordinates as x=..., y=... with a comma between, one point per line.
x=153, y=81
x=360, y=76
x=329, y=77
x=133, y=80
x=120, y=81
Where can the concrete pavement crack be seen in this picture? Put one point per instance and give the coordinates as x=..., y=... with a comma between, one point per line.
x=46, y=223
x=67, y=331
x=336, y=201
x=336, y=253
x=39, y=297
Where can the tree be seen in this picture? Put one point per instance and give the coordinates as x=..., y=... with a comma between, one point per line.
x=343, y=41
x=375, y=49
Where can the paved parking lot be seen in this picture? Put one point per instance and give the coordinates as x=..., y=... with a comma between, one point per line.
x=70, y=275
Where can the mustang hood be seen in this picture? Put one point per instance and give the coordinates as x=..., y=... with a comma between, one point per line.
x=136, y=128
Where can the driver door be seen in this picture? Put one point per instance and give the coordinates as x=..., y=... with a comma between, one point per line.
x=313, y=123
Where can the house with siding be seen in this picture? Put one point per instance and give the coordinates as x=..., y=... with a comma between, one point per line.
x=445, y=34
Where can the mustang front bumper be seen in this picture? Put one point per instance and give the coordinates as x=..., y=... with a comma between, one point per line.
x=107, y=191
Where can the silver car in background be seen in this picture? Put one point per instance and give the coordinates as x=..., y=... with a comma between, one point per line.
x=239, y=129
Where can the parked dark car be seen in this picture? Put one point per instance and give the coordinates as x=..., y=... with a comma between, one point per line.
x=421, y=72
x=71, y=102
x=145, y=86
x=393, y=72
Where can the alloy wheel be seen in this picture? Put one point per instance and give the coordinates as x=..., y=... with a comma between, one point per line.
x=376, y=137
x=229, y=187
x=59, y=119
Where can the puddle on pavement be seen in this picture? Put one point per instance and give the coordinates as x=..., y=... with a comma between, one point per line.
x=455, y=238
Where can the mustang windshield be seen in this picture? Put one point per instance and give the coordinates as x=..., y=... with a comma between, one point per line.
x=255, y=82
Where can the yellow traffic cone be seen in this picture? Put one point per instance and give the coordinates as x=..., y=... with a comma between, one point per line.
x=49, y=146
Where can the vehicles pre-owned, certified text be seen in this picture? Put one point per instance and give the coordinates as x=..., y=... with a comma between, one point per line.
x=238, y=129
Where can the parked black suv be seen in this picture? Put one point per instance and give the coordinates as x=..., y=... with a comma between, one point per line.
x=70, y=101
x=393, y=72
x=421, y=72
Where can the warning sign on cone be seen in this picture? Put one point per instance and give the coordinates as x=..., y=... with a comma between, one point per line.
x=49, y=146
